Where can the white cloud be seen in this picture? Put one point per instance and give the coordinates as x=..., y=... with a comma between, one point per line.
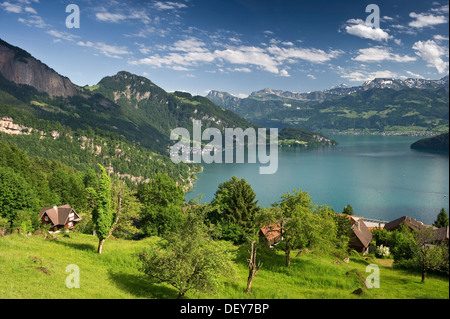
x=194, y=52
x=62, y=35
x=34, y=21
x=245, y=70
x=284, y=73
x=377, y=54
x=248, y=56
x=169, y=5
x=439, y=37
x=30, y=10
x=110, y=17
x=361, y=76
x=311, y=76
x=442, y=9
x=189, y=45
x=308, y=54
x=105, y=49
x=118, y=17
x=423, y=20
x=10, y=7
x=414, y=75
x=366, y=32
x=432, y=53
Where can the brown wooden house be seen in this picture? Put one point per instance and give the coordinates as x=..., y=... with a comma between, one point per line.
x=361, y=237
x=440, y=235
x=271, y=234
x=411, y=223
x=59, y=217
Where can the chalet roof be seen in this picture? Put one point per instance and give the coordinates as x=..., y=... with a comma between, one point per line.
x=441, y=234
x=271, y=232
x=362, y=233
x=410, y=222
x=58, y=215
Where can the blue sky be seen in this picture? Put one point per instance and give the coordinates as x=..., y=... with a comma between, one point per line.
x=237, y=46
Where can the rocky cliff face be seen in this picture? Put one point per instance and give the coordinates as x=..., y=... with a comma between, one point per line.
x=20, y=67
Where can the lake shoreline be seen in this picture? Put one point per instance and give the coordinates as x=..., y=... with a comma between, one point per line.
x=380, y=176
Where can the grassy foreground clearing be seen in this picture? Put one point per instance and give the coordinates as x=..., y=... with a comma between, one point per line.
x=33, y=267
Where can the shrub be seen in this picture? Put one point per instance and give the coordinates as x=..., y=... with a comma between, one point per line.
x=383, y=252
x=24, y=222
x=4, y=226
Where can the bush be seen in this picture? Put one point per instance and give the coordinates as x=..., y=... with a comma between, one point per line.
x=23, y=223
x=383, y=252
x=4, y=226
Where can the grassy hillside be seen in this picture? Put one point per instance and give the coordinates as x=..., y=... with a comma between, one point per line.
x=34, y=267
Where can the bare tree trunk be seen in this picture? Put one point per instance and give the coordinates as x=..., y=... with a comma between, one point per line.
x=288, y=257
x=100, y=246
x=424, y=275
x=252, y=266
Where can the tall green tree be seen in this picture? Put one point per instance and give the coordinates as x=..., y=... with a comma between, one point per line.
x=348, y=210
x=15, y=194
x=162, y=201
x=442, y=219
x=102, y=214
x=69, y=187
x=130, y=210
x=236, y=209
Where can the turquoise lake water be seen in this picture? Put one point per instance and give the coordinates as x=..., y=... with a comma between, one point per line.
x=380, y=176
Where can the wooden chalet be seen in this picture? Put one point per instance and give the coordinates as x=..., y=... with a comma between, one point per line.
x=59, y=217
x=271, y=234
x=411, y=223
x=361, y=237
x=440, y=235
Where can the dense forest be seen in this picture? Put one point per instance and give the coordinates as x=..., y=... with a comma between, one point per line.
x=436, y=143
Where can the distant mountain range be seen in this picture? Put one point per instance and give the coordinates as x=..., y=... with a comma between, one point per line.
x=380, y=105
x=337, y=91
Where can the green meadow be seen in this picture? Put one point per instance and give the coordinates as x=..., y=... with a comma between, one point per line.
x=32, y=267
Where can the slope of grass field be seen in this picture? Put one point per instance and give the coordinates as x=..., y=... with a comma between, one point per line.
x=33, y=267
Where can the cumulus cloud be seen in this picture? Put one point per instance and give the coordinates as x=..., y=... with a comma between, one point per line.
x=377, y=54
x=11, y=7
x=432, y=53
x=422, y=20
x=357, y=27
x=192, y=52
